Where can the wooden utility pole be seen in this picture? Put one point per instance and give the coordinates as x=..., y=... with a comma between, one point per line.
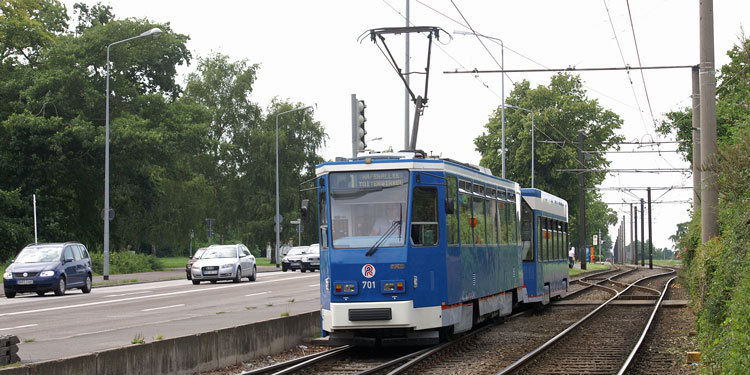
x=709, y=192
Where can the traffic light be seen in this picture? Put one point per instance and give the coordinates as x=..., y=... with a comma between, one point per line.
x=361, y=132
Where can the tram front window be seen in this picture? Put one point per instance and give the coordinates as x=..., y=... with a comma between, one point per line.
x=367, y=207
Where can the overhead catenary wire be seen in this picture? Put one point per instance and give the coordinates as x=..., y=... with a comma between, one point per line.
x=638, y=54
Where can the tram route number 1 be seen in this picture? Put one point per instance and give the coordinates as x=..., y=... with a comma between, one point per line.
x=368, y=284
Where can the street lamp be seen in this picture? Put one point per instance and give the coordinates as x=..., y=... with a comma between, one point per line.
x=277, y=218
x=502, y=86
x=106, y=212
x=533, y=140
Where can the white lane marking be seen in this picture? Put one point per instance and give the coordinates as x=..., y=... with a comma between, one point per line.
x=150, y=296
x=311, y=285
x=163, y=307
x=16, y=327
x=257, y=294
x=128, y=294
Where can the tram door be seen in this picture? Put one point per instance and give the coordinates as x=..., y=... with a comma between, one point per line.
x=424, y=239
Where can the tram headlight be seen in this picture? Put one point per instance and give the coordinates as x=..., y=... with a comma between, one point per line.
x=393, y=286
x=349, y=288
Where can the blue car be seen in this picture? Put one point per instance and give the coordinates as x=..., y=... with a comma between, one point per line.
x=49, y=267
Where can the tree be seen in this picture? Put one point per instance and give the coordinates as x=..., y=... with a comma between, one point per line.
x=561, y=109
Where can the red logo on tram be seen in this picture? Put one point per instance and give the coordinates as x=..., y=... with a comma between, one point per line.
x=368, y=270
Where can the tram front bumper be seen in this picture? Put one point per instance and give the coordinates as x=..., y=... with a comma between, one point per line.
x=388, y=314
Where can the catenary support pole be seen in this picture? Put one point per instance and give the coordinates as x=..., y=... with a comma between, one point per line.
x=643, y=235
x=582, y=205
x=709, y=192
x=696, y=138
x=632, y=256
x=650, y=234
x=635, y=232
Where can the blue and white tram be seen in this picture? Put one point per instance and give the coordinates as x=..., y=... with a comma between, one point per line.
x=415, y=248
x=544, y=235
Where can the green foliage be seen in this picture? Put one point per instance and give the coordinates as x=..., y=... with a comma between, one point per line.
x=125, y=262
x=138, y=339
x=561, y=109
x=176, y=157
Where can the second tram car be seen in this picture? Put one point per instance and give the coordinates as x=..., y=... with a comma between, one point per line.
x=544, y=235
x=413, y=249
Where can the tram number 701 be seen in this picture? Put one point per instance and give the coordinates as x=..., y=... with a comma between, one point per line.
x=368, y=284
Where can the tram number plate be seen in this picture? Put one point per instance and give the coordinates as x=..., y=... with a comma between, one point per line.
x=368, y=285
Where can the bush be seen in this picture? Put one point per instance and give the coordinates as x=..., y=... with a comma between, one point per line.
x=125, y=262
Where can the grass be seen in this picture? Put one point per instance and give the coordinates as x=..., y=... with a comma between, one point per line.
x=29, y=340
x=668, y=262
x=589, y=267
x=262, y=261
x=269, y=304
x=116, y=282
x=285, y=314
x=138, y=339
x=291, y=300
x=174, y=262
x=159, y=337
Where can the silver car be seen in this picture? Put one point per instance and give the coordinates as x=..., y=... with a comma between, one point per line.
x=224, y=262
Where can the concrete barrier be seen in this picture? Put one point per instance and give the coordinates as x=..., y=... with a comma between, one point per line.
x=186, y=354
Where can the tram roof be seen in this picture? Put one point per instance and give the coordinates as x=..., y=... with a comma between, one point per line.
x=413, y=161
x=545, y=202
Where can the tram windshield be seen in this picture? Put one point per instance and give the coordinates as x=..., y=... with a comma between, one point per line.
x=367, y=205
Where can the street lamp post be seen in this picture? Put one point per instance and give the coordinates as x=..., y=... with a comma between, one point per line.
x=277, y=218
x=502, y=87
x=106, y=213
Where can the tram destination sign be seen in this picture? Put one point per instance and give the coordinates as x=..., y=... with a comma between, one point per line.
x=370, y=179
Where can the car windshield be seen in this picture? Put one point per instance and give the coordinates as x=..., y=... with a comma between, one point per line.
x=39, y=254
x=199, y=253
x=220, y=252
x=368, y=208
x=297, y=251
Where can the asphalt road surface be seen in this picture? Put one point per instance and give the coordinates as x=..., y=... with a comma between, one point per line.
x=51, y=327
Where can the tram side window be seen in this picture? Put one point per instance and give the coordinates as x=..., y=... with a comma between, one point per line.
x=560, y=247
x=512, y=223
x=451, y=220
x=503, y=213
x=491, y=205
x=464, y=213
x=555, y=242
x=323, y=215
x=565, y=242
x=424, y=217
x=527, y=232
x=541, y=241
x=478, y=210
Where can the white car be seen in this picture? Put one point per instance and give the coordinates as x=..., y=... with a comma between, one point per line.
x=311, y=259
x=224, y=262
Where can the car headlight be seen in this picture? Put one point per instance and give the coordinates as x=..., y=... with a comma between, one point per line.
x=197, y=268
x=284, y=259
x=47, y=273
x=228, y=265
x=304, y=259
x=8, y=275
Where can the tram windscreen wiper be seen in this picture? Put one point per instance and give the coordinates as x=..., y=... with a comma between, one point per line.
x=388, y=233
x=353, y=193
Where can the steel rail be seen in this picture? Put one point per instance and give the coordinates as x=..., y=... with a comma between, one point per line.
x=637, y=346
x=515, y=365
x=292, y=363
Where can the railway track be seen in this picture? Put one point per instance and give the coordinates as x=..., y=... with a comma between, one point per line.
x=502, y=346
x=605, y=341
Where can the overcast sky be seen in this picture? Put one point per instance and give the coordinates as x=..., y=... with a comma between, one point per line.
x=308, y=52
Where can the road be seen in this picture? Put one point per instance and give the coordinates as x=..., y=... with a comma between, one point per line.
x=51, y=327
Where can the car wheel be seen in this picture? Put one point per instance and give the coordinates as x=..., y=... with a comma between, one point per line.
x=189, y=277
x=87, y=287
x=40, y=293
x=253, y=274
x=60, y=290
x=302, y=269
x=9, y=294
x=214, y=281
x=283, y=268
x=196, y=282
x=237, y=275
